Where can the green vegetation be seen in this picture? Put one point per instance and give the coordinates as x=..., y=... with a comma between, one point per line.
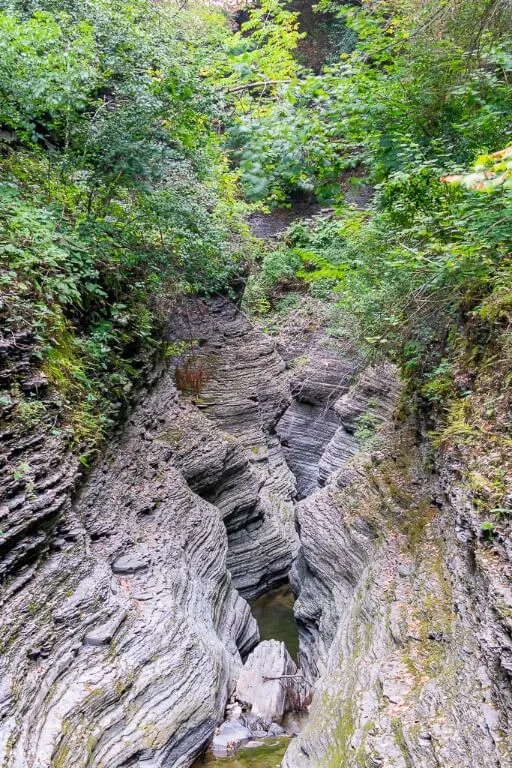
x=115, y=194
x=134, y=136
x=406, y=137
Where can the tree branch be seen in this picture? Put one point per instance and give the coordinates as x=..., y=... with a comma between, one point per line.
x=248, y=86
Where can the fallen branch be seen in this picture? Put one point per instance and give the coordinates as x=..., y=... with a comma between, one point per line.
x=248, y=86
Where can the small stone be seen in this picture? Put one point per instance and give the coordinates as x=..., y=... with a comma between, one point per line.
x=35, y=384
x=229, y=737
x=129, y=564
x=103, y=634
x=233, y=711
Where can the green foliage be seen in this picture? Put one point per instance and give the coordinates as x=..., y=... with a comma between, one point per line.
x=488, y=530
x=365, y=427
x=115, y=194
x=260, y=52
x=278, y=266
x=413, y=89
x=419, y=110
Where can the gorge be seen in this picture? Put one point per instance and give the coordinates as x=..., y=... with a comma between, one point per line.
x=123, y=646
x=255, y=384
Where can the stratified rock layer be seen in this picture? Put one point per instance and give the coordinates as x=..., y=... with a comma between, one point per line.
x=311, y=423
x=122, y=631
x=398, y=622
x=238, y=380
x=124, y=645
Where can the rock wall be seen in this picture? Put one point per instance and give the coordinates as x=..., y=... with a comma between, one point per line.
x=404, y=615
x=309, y=428
x=123, y=619
x=243, y=390
x=123, y=645
x=122, y=630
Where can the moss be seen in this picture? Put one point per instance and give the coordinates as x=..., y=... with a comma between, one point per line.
x=398, y=733
x=503, y=610
x=61, y=758
x=30, y=413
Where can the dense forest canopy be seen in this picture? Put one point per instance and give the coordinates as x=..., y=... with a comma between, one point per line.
x=135, y=136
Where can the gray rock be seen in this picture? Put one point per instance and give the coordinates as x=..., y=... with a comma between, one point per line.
x=266, y=682
x=130, y=563
x=104, y=634
x=229, y=737
x=385, y=694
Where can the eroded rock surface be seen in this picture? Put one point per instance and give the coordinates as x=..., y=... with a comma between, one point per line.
x=243, y=388
x=123, y=619
x=266, y=682
x=125, y=644
x=122, y=631
x=311, y=423
x=398, y=622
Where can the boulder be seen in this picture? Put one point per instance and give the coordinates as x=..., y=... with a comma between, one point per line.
x=266, y=681
x=229, y=737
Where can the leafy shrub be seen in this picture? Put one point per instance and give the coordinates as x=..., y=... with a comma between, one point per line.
x=115, y=194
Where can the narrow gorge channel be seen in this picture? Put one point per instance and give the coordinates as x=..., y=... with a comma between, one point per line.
x=247, y=466
x=123, y=642
x=255, y=468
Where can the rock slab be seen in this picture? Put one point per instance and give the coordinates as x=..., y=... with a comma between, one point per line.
x=266, y=681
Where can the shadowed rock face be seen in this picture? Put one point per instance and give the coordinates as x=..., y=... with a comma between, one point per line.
x=311, y=425
x=244, y=390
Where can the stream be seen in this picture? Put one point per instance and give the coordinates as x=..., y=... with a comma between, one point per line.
x=266, y=755
x=274, y=613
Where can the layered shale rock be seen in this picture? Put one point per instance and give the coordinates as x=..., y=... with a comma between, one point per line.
x=123, y=646
x=238, y=380
x=37, y=473
x=398, y=622
x=311, y=423
x=122, y=631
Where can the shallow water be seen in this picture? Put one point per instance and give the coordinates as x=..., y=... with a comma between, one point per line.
x=274, y=613
x=267, y=755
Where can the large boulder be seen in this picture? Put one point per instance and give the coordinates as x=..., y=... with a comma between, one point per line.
x=267, y=681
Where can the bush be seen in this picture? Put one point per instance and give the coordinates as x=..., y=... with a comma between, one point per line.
x=115, y=194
